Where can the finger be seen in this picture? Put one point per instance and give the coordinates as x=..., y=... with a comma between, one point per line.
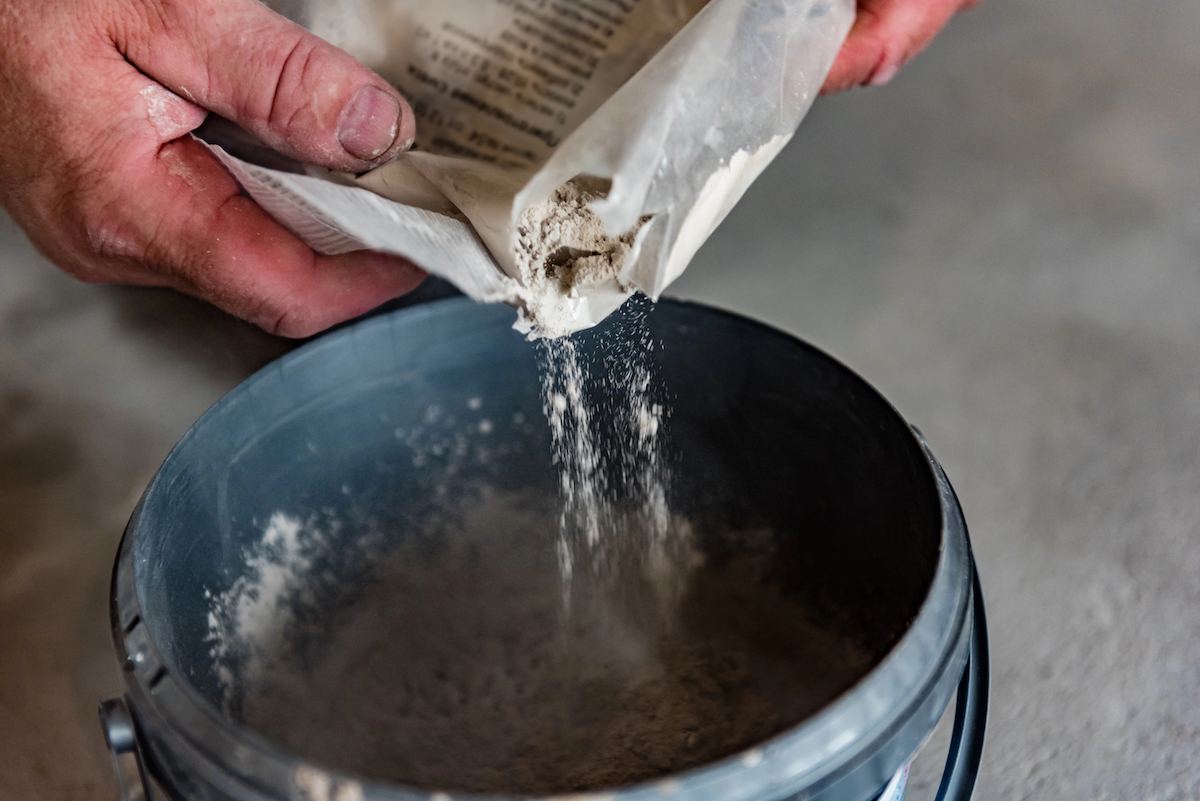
x=298, y=93
x=224, y=248
x=885, y=35
x=169, y=214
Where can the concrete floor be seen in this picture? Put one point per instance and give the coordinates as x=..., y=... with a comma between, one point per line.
x=1004, y=241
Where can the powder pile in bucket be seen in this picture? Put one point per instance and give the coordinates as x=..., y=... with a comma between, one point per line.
x=453, y=666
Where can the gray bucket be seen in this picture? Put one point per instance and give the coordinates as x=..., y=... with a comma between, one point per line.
x=765, y=434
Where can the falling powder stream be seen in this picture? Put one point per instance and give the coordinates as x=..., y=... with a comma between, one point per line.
x=606, y=435
x=575, y=451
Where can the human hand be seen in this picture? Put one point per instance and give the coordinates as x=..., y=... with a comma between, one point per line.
x=885, y=35
x=96, y=100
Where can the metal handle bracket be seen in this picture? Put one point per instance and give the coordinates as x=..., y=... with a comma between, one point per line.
x=120, y=733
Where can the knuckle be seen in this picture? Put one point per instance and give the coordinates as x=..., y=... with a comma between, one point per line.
x=260, y=311
x=97, y=200
x=275, y=317
x=74, y=221
x=294, y=323
x=135, y=25
x=106, y=227
x=290, y=98
x=110, y=235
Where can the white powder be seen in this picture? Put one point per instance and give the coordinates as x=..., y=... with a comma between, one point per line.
x=723, y=189
x=316, y=785
x=251, y=622
x=450, y=664
x=606, y=428
x=169, y=114
x=247, y=622
x=581, y=477
x=564, y=253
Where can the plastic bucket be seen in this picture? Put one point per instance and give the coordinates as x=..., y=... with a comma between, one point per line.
x=763, y=428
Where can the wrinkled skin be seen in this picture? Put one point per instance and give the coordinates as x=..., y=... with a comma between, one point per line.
x=96, y=168
x=97, y=98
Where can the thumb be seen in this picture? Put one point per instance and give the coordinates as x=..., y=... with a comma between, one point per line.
x=299, y=94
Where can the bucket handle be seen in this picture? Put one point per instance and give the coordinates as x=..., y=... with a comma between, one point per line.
x=970, y=712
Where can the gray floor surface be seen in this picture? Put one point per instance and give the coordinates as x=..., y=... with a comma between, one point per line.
x=1004, y=241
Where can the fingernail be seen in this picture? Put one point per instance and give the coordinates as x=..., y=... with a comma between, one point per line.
x=369, y=123
x=884, y=75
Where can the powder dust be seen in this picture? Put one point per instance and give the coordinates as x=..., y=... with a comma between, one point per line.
x=562, y=249
x=607, y=420
x=454, y=666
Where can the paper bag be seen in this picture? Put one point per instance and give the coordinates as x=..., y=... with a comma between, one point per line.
x=660, y=112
